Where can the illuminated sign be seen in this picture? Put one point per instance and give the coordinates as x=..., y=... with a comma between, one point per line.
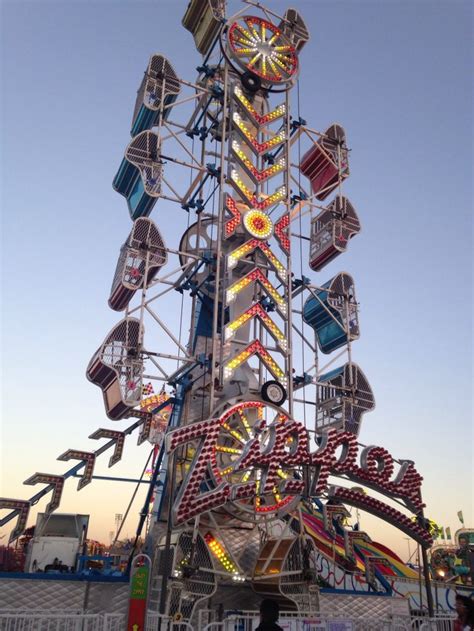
x=23, y=508
x=337, y=455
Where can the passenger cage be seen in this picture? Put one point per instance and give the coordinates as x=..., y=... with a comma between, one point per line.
x=158, y=90
x=331, y=231
x=117, y=368
x=294, y=28
x=141, y=257
x=139, y=178
x=343, y=396
x=326, y=163
x=332, y=312
x=203, y=20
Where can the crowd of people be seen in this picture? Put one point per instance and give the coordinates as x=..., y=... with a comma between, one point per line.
x=465, y=612
x=450, y=564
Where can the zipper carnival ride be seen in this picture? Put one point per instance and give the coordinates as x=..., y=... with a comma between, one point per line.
x=244, y=500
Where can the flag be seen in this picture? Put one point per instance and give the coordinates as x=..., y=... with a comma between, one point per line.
x=448, y=533
x=461, y=517
x=147, y=389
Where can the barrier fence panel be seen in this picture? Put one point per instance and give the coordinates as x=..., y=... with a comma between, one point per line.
x=50, y=622
x=53, y=621
x=445, y=623
x=241, y=621
x=158, y=622
x=248, y=621
x=114, y=622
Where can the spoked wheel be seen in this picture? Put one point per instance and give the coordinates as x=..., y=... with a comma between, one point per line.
x=259, y=47
x=199, y=241
x=241, y=424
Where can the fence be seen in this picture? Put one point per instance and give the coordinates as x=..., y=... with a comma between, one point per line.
x=242, y=621
x=248, y=621
x=53, y=621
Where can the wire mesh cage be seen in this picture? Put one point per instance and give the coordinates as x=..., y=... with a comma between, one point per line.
x=141, y=257
x=331, y=231
x=191, y=577
x=117, y=368
x=297, y=582
x=333, y=314
x=344, y=395
x=294, y=28
x=158, y=90
x=326, y=163
x=144, y=153
x=269, y=566
x=139, y=177
x=203, y=20
x=283, y=572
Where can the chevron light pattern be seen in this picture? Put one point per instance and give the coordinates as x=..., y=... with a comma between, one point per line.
x=258, y=119
x=253, y=244
x=257, y=147
x=47, y=478
x=251, y=198
x=252, y=166
x=258, y=176
x=88, y=459
x=255, y=348
x=257, y=310
x=257, y=276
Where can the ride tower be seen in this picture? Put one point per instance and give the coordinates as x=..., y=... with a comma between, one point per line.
x=211, y=505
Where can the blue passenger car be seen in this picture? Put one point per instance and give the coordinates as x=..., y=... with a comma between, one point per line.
x=332, y=312
x=158, y=91
x=139, y=176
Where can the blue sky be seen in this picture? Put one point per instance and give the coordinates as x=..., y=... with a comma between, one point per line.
x=396, y=74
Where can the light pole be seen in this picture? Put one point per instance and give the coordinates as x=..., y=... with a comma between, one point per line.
x=118, y=523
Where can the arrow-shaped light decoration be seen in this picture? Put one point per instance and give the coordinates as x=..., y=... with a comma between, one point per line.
x=257, y=176
x=257, y=311
x=23, y=507
x=258, y=119
x=251, y=245
x=145, y=429
x=370, y=567
x=281, y=232
x=48, y=478
x=117, y=437
x=89, y=461
x=256, y=276
x=258, y=148
x=255, y=348
x=250, y=197
x=158, y=413
x=236, y=216
x=333, y=512
x=349, y=537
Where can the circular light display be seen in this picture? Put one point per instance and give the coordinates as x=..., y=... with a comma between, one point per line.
x=261, y=48
x=258, y=224
x=240, y=425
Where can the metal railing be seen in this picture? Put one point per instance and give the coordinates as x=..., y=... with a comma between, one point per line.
x=158, y=622
x=241, y=621
x=248, y=621
x=53, y=621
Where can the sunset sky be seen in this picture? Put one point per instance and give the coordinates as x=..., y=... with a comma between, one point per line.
x=396, y=74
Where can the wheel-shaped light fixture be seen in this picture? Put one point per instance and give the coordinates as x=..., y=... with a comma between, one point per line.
x=241, y=424
x=260, y=47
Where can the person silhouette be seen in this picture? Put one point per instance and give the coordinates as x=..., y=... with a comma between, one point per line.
x=269, y=612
